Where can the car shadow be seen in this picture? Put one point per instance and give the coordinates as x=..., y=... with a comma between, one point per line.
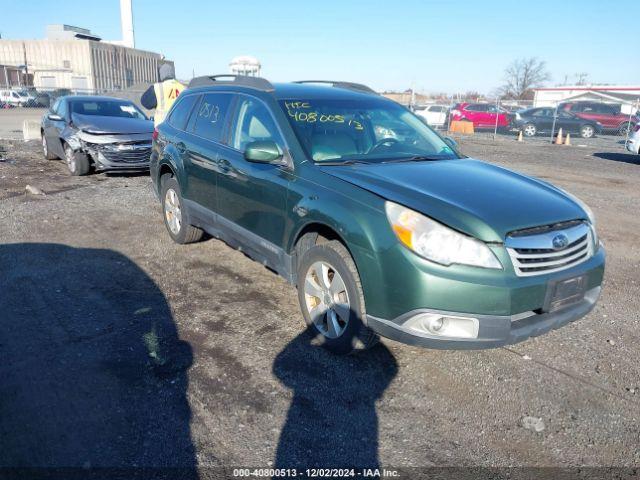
x=332, y=420
x=94, y=374
x=619, y=157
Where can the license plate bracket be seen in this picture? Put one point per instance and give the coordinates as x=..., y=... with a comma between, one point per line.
x=563, y=293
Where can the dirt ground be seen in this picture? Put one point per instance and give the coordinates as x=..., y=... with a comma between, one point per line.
x=123, y=349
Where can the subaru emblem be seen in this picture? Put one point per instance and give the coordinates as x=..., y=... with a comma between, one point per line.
x=560, y=241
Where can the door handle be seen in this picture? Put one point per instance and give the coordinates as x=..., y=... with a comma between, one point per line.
x=223, y=165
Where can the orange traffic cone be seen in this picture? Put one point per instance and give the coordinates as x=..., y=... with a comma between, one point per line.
x=559, y=138
x=520, y=136
x=567, y=141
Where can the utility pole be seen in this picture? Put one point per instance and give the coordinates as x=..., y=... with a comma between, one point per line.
x=26, y=66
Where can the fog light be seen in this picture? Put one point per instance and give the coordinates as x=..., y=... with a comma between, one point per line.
x=433, y=324
x=442, y=325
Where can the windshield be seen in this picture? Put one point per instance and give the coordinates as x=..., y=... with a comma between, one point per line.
x=369, y=130
x=106, y=108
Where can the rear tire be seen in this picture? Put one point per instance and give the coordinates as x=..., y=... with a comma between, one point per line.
x=176, y=218
x=529, y=130
x=625, y=128
x=587, y=131
x=77, y=162
x=331, y=297
x=45, y=149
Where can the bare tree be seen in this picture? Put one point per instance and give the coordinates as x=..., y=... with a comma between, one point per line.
x=522, y=75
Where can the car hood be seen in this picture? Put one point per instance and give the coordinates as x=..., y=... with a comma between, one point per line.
x=471, y=196
x=111, y=125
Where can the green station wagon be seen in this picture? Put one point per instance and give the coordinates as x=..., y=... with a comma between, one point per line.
x=383, y=226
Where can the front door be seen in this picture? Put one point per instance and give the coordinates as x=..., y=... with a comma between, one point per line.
x=252, y=196
x=53, y=128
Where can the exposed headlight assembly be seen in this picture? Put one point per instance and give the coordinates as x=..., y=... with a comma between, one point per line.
x=438, y=243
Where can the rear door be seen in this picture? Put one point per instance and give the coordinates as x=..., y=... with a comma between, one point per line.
x=252, y=196
x=206, y=128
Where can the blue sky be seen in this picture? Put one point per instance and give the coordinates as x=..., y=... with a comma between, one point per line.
x=451, y=46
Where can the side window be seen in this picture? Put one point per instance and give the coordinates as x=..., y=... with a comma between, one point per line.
x=56, y=105
x=210, y=116
x=437, y=109
x=253, y=123
x=180, y=113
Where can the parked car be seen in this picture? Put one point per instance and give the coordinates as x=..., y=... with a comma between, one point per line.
x=609, y=115
x=435, y=115
x=483, y=115
x=100, y=132
x=17, y=98
x=633, y=144
x=540, y=120
x=402, y=237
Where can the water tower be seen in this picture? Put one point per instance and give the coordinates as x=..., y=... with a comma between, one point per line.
x=245, y=65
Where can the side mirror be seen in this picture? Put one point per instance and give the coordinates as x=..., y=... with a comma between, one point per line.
x=451, y=142
x=263, y=152
x=54, y=117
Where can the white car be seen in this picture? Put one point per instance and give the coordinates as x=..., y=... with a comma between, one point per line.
x=16, y=98
x=435, y=115
x=633, y=145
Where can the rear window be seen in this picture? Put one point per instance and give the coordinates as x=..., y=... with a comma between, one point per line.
x=210, y=116
x=180, y=114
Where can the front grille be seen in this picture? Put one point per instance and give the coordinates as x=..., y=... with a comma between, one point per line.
x=130, y=152
x=537, y=255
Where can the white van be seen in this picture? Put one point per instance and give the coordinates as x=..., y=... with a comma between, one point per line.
x=16, y=98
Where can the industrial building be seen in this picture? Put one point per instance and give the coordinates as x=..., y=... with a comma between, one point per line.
x=627, y=96
x=73, y=58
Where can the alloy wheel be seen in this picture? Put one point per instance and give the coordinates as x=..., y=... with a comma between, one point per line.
x=172, y=211
x=530, y=130
x=587, y=131
x=327, y=300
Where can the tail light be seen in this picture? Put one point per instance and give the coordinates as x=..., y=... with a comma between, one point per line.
x=155, y=134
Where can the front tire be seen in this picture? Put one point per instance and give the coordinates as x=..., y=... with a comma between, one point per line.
x=77, y=162
x=587, y=131
x=331, y=298
x=175, y=216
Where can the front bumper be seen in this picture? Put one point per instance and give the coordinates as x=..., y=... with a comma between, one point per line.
x=494, y=331
x=508, y=308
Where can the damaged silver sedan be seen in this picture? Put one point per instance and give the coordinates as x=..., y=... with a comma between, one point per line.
x=99, y=133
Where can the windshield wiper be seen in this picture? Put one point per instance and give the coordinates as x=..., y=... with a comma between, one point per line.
x=342, y=162
x=417, y=158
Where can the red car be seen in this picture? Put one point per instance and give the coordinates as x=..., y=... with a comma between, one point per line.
x=608, y=114
x=483, y=115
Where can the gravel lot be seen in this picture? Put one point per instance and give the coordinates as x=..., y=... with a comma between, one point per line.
x=121, y=348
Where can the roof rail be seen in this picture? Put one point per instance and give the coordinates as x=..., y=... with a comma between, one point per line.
x=258, y=83
x=349, y=85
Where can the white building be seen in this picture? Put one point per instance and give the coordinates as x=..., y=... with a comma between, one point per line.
x=73, y=58
x=245, y=65
x=627, y=96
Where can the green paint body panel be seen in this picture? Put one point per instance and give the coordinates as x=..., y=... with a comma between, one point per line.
x=473, y=197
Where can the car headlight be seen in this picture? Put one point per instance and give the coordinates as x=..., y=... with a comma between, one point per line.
x=438, y=243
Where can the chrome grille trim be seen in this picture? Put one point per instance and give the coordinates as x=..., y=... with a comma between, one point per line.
x=536, y=255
